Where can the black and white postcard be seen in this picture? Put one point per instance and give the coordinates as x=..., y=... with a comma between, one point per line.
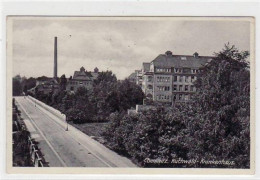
x=130, y=95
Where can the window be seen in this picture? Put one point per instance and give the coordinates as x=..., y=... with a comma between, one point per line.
x=167, y=88
x=180, y=88
x=192, y=78
x=71, y=88
x=178, y=70
x=186, y=78
x=167, y=79
x=186, y=87
x=175, y=78
x=174, y=97
x=186, y=70
x=183, y=58
x=150, y=78
x=191, y=88
x=180, y=96
x=150, y=87
x=180, y=79
x=186, y=97
x=174, y=87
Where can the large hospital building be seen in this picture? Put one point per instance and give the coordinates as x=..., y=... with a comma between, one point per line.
x=169, y=78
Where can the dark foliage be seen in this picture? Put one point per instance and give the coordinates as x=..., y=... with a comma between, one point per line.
x=107, y=96
x=213, y=126
x=17, y=87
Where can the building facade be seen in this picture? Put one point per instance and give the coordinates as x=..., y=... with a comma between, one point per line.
x=80, y=79
x=169, y=78
x=132, y=78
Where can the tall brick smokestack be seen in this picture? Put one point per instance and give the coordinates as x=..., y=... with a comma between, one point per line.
x=55, y=58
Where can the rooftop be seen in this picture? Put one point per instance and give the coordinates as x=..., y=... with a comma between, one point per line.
x=168, y=60
x=146, y=67
x=132, y=76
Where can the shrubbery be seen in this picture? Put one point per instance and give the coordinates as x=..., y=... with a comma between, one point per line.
x=95, y=105
x=213, y=126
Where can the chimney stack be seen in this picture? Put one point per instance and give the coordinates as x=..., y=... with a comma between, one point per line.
x=196, y=55
x=168, y=53
x=55, y=58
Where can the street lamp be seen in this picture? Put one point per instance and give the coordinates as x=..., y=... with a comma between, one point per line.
x=67, y=127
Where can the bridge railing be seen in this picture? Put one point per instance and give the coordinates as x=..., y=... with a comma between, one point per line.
x=34, y=154
x=48, y=108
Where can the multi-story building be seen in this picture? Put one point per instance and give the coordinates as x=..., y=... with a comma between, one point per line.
x=132, y=77
x=169, y=78
x=82, y=78
x=139, y=77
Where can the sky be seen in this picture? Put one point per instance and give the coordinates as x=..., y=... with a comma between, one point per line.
x=116, y=44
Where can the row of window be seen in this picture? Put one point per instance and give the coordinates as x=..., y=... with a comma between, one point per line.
x=163, y=97
x=176, y=79
x=184, y=88
x=175, y=97
x=178, y=70
x=184, y=78
x=175, y=88
x=181, y=97
x=163, y=79
x=163, y=88
x=163, y=69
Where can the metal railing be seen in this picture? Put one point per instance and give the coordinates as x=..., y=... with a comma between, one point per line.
x=34, y=155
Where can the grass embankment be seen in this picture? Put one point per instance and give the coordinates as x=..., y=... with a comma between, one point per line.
x=93, y=130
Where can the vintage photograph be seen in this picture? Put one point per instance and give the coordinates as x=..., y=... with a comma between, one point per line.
x=131, y=92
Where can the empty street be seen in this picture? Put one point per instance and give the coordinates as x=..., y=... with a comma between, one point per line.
x=63, y=148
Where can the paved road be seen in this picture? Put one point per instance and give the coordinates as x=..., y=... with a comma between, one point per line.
x=65, y=148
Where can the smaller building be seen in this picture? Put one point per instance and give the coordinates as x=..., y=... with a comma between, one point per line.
x=132, y=77
x=45, y=85
x=81, y=78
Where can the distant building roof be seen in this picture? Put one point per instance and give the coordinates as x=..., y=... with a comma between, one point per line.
x=81, y=75
x=146, y=67
x=132, y=76
x=167, y=61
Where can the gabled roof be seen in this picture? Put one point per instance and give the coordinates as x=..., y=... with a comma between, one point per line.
x=80, y=75
x=179, y=61
x=146, y=67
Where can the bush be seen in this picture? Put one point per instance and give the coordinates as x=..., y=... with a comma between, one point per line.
x=214, y=125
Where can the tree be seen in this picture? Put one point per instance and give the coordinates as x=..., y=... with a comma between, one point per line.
x=63, y=82
x=107, y=76
x=129, y=94
x=81, y=110
x=30, y=83
x=17, y=87
x=214, y=125
x=219, y=128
